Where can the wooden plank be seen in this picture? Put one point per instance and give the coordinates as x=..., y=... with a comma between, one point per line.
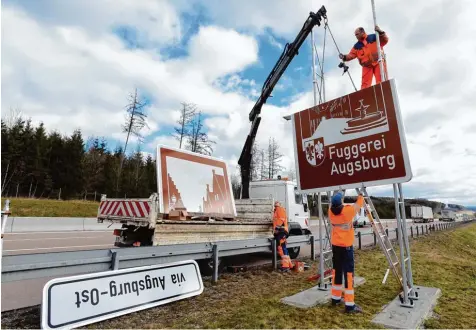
x=221, y=223
x=260, y=208
x=187, y=233
x=211, y=215
x=256, y=201
x=210, y=228
x=255, y=216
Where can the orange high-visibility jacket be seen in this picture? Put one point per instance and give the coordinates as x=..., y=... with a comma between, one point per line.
x=366, y=50
x=342, y=223
x=280, y=218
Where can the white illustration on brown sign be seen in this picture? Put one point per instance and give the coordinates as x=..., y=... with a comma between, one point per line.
x=193, y=182
x=338, y=122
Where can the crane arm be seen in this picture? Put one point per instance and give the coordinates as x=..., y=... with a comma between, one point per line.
x=290, y=50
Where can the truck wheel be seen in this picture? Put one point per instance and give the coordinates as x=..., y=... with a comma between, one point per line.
x=294, y=252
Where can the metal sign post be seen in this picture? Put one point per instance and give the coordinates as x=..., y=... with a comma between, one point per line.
x=380, y=59
x=5, y=214
x=325, y=248
x=405, y=274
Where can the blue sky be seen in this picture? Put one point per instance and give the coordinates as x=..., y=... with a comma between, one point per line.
x=72, y=64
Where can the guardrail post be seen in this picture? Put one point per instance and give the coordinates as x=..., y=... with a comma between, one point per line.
x=427, y=229
x=313, y=248
x=396, y=233
x=114, y=260
x=215, y=263
x=359, y=236
x=417, y=231
x=275, y=254
x=386, y=231
x=422, y=231
x=411, y=231
x=375, y=239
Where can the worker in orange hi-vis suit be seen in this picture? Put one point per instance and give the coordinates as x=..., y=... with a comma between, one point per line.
x=281, y=232
x=366, y=51
x=342, y=239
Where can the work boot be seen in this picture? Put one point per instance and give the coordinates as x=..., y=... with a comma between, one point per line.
x=334, y=303
x=356, y=310
x=285, y=270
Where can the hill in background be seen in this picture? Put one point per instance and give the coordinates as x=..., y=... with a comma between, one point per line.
x=386, y=206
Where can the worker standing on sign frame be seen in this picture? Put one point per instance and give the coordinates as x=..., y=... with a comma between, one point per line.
x=342, y=239
x=366, y=51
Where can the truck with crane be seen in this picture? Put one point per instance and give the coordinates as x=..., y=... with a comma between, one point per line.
x=162, y=218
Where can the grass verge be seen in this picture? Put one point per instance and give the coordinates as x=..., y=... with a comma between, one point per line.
x=446, y=260
x=29, y=207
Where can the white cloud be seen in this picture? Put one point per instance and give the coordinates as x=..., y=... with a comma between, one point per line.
x=61, y=64
x=221, y=51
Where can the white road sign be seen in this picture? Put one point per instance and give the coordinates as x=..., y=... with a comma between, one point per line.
x=84, y=299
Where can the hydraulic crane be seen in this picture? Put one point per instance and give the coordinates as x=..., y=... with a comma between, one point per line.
x=290, y=50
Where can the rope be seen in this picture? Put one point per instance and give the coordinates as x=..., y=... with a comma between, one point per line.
x=338, y=50
x=319, y=75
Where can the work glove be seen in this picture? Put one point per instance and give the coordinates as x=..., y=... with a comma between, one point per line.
x=342, y=56
x=378, y=29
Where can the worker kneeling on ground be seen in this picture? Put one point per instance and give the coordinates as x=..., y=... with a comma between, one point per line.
x=281, y=232
x=366, y=51
x=342, y=240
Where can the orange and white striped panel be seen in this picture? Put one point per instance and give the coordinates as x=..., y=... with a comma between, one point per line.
x=132, y=209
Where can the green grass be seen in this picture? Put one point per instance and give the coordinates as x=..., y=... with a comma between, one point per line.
x=29, y=207
x=446, y=260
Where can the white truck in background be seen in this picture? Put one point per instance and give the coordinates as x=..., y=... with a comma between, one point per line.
x=420, y=213
x=285, y=191
x=448, y=215
x=361, y=219
x=195, y=203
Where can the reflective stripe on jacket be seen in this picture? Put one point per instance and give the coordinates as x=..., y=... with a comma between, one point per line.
x=366, y=50
x=342, y=224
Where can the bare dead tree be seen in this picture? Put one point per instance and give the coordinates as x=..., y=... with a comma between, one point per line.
x=187, y=114
x=262, y=162
x=292, y=174
x=198, y=140
x=274, y=158
x=236, y=185
x=13, y=116
x=135, y=122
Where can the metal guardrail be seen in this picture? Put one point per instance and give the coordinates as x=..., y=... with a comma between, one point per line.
x=413, y=231
x=57, y=264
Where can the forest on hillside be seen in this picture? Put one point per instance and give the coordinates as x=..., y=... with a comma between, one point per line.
x=38, y=163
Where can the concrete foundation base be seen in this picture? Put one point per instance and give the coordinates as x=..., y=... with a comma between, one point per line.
x=395, y=316
x=313, y=296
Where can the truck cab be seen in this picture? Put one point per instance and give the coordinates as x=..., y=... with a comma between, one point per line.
x=285, y=191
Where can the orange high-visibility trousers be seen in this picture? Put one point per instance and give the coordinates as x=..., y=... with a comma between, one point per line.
x=369, y=72
x=286, y=262
x=343, y=271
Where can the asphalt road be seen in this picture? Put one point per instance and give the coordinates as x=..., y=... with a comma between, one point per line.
x=28, y=292
x=45, y=242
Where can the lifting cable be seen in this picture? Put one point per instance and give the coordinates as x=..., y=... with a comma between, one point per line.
x=323, y=84
x=337, y=47
x=321, y=71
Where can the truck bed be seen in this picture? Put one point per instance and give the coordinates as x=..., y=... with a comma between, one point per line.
x=254, y=219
